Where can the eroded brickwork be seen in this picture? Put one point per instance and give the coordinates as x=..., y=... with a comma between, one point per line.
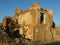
x=36, y=23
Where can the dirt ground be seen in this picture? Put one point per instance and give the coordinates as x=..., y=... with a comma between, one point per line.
x=55, y=43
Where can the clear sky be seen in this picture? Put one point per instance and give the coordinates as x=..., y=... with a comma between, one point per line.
x=7, y=7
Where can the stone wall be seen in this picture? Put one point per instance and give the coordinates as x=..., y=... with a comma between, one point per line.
x=36, y=23
x=31, y=18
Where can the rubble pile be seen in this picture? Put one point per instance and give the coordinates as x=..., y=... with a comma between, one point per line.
x=10, y=35
x=32, y=25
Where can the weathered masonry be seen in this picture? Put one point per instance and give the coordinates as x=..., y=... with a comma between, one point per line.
x=37, y=23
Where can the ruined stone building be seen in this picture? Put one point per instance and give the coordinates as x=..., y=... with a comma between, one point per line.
x=37, y=23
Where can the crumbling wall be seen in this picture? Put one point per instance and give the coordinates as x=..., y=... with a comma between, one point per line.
x=34, y=23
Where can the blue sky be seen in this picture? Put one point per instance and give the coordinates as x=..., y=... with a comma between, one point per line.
x=7, y=7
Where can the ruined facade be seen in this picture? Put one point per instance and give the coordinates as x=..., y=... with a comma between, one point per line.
x=37, y=23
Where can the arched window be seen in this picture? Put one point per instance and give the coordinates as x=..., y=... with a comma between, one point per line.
x=16, y=21
x=41, y=17
x=53, y=25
